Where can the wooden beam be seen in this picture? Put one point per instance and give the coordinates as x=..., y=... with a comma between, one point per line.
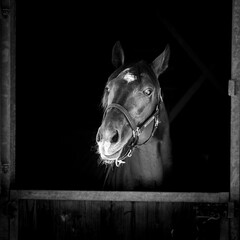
x=5, y=105
x=208, y=74
x=235, y=119
x=235, y=104
x=7, y=66
x=221, y=197
x=187, y=96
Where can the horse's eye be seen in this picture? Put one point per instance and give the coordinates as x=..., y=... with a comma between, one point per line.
x=147, y=91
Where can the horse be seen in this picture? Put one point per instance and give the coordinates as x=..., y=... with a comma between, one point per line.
x=133, y=140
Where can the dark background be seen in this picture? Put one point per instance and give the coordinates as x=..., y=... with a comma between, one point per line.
x=64, y=60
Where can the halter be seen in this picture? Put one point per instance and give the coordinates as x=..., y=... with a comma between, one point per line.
x=136, y=130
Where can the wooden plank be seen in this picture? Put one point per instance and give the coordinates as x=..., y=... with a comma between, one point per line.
x=221, y=197
x=13, y=93
x=13, y=221
x=41, y=219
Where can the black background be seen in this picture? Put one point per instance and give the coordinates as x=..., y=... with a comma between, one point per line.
x=63, y=62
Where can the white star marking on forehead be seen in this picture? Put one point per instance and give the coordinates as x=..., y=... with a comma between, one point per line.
x=128, y=76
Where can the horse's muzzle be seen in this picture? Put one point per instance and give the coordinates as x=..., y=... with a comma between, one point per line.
x=110, y=136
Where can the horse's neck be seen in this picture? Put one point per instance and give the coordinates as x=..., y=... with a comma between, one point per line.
x=143, y=170
x=146, y=164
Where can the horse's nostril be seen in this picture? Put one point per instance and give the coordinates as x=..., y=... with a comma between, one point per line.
x=115, y=137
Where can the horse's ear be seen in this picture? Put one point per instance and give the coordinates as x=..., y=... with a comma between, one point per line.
x=160, y=64
x=117, y=55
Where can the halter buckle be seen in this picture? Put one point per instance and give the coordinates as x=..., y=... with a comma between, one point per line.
x=130, y=153
x=137, y=132
x=156, y=122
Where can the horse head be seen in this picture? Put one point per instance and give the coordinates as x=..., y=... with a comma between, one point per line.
x=131, y=102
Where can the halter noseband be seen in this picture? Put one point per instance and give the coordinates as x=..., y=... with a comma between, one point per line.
x=136, y=130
